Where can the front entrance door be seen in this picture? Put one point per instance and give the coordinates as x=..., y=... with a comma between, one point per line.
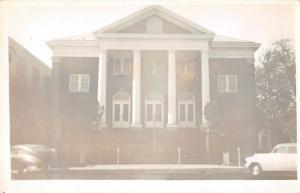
x=154, y=114
x=121, y=110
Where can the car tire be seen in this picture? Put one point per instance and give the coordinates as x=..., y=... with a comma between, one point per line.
x=255, y=169
x=22, y=169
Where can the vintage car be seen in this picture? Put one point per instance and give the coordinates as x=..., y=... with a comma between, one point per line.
x=283, y=157
x=32, y=157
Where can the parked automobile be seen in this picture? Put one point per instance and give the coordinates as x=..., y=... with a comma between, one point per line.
x=32, y=157
x=283, y=157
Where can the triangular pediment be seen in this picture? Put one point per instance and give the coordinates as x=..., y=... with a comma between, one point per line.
x=155, y=20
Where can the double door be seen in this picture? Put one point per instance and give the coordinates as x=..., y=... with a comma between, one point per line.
x=154, y=114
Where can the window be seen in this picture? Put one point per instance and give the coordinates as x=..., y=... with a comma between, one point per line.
x=121, y=110
x=292, y=149
x=186, y=109
x=35, y=75
x=154, y=110
x=153, y=67
x=280, y=149
x=79, y=83
x=186, y=67
x=227, y=83
x=122, y=66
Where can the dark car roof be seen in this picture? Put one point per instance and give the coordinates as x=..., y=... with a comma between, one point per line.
x=30, y=146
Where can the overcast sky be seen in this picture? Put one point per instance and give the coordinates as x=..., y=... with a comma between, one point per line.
x=33, y=24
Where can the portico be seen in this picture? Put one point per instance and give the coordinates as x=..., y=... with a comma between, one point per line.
x=136, y=101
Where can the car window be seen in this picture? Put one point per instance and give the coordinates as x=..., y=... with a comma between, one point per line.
x=280, y=149
x=292, y=149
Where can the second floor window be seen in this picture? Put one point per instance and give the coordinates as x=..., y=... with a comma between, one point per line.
x=186, y=67
x=153, y=67
x=79, y=83
x=227, y=83
x=121, y=66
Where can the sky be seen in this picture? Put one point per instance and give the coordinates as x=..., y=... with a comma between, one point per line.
x=32, y=24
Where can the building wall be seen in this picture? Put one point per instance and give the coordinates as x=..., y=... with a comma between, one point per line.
x=30, y=96
x=78, y=110
x=236, y=111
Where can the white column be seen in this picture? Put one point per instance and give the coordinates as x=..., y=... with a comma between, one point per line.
x=172, y=107
x=205, y=84
x=101, y=95
x=136, y=90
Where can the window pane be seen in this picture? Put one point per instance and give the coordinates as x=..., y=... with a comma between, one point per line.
x=74, y=77
x=232, y=83
x=117, y=112
x=158, y=113
x=127, y=66
x=85, y=78
x=125, y=112
x=117, y=66
x=181, y=112
x=281, y=149
x=84, y=87
x=180, y=67
x=222, y=83
x=152, y=68
x=191, y=67
x=292, y=149
x=190, y=112
x=73, y=86
x=149, y=112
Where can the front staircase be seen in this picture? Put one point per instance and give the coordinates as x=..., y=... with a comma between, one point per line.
x=146, y=147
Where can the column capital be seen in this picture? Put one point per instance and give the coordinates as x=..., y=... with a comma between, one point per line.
x=172, y=50
x=204, y=50
x=102, y=50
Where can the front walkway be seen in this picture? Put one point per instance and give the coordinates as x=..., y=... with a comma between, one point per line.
x=154, y=167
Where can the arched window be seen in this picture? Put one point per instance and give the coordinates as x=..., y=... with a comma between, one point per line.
x=121, y=110
x=154, y=110
x=186, y=110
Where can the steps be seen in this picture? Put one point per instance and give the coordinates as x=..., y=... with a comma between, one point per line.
x=145, y=147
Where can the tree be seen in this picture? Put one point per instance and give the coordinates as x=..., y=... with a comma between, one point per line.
x=276, y=91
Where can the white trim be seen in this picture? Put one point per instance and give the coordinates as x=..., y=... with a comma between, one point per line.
x=227, y=83
x=153, y=123
x=158, y=11
x=79, y=88
x=155, y=36
x=187, y=124
x=234, y=52
x=121, y=123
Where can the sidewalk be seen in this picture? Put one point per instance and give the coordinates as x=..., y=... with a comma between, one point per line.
x=154, y=167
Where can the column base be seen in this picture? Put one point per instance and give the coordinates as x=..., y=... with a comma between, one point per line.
x=136, y=126
x=172, y=126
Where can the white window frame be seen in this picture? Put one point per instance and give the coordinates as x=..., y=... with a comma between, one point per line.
x=227, y=88
x=154, y=102
x=185, y=62
x=122, y=66
x=155, y=69
x=186, y=102
x=121, y=102
x=79, y=88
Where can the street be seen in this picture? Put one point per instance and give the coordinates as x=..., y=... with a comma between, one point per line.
x=231, y=173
